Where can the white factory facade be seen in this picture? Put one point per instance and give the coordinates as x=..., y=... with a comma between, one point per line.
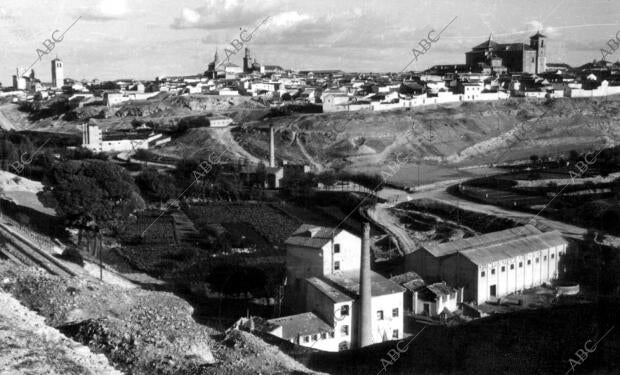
x=329, y=277
x=492, y=265
x=94, y=140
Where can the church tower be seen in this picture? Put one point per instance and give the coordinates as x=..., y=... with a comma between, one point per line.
x=58, y=75
x=537, y=42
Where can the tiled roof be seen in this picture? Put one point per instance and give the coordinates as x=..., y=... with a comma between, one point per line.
x=348, y=282
x=513, y=248
x=330, y=291
x=301, y=324
x=410, y=280
x=452, y=247
x=313, y=236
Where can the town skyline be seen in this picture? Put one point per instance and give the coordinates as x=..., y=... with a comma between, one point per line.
x=117, y=39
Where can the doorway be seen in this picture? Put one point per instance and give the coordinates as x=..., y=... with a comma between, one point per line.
x=493, y=291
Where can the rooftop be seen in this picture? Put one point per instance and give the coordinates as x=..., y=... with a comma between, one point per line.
x=330, y=291
x=348, y=282
x=448, y=248
x=410, y=280
x=308, y=235
x=301, y=324
x=514, y=247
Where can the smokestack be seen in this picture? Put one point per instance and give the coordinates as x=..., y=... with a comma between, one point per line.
x=365, y=315
x=272, y=148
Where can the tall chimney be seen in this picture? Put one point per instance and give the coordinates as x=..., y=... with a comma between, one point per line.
x=365, y=315
x=272, y=148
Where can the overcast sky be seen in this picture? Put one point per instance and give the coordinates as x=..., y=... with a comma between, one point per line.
x=148, y=38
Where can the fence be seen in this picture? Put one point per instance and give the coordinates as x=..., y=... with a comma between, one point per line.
x=43, y=242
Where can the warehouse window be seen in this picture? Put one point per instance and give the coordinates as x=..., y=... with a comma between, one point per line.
x=344, y=331
x=315, y=337
x=520, y=264
x=529, y=261
x=306, y=338
x=332, y=335
x=323, y=336
x=482, y=274
x=336, y=248
x=395, y=312
x=512, y=266
x=344, y=310
x=536, y=259
x=552, y=256
x=336, y=265
x=395, y=334
x=503, y=268
x=545, y=258
x=492, y=271
x=380, y=315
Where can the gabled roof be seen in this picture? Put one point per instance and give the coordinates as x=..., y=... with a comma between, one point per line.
x=513, y=247
x=301, y=324
x=314, y=236
x=463, y=244
x=537, y=35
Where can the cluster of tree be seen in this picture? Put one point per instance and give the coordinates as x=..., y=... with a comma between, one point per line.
x=156, y=186
x=91, y=194
x=593, y=266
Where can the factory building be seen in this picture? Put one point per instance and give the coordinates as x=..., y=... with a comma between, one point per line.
x=329, y=277
x=492, y=265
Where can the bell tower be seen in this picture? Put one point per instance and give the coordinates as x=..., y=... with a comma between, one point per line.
x=537, y=42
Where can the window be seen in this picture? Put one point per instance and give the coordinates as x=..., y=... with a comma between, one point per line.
x=552, y=256
x=323, y=336
x=529, y=261
x=332, y=335
x=545, y=258
x=512, y=266
x=380, y=315
x=306, y=338
x=336, y=248
x=344, y=310
x=344, y=330
x=503, y=268
x=482, y=274
x=395, y=312
x=520, y=264
x=395, y=334
x=315, y=337
x=536, y=259
x=532, y=59
x=336, y=265
x=492, y=271
x=443, y=299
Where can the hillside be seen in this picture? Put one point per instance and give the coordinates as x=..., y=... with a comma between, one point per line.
x=435, y=142
x=139, y=331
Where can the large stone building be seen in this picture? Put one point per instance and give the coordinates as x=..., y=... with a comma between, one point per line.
x=494, y=264
x=329, y=277
x=515, y=57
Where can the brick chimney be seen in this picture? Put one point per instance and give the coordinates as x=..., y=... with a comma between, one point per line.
x=365, y=315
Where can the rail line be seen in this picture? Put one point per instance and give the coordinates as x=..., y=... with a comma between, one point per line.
x=21, y=251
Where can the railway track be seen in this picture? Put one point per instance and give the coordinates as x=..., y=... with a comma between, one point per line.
x=21, y=251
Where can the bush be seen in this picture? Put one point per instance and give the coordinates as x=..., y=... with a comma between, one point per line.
x=73, y=255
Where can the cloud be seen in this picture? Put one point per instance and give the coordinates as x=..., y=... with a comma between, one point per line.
x=105, y=10
x=221, y=14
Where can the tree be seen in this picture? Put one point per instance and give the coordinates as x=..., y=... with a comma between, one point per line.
x=85, y=191
x=155, y=185
x=534, y=159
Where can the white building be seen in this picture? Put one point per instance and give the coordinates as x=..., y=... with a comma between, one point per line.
x=436, y=300
x=92, y=139
x=305, y=329
x=324, y=277
x=494, y=264
x=219, y=121
x=58, y=74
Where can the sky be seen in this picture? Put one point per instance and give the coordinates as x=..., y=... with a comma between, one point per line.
x=144, y=39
